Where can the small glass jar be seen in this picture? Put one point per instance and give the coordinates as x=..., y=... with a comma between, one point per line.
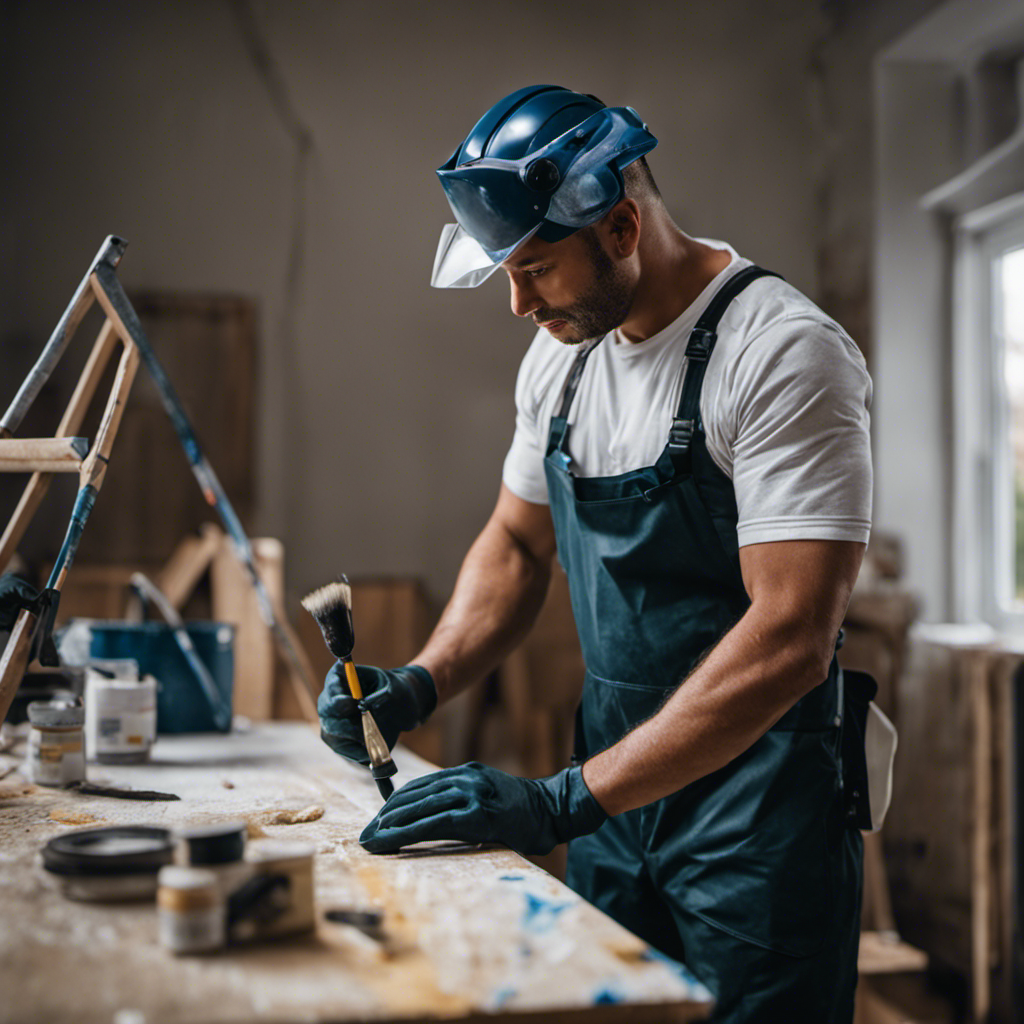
x=191, y=908
x=56, y=742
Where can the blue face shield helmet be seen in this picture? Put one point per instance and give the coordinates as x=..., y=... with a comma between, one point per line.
x=518, y=183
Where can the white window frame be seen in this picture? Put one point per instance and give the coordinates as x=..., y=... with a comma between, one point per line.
x=982, y=536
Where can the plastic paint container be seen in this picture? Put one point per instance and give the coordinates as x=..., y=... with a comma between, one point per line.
x=191, y=910
x=56, y=743
x=120, y=717
x=108, y=864
x=218, y=849
x=290, y=907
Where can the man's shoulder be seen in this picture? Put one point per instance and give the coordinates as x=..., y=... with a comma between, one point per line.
x=772, y=312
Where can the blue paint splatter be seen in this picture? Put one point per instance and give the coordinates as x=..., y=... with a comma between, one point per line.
x=606, y=996
x=511, y=878
x=540, y=915
x=502, y=996
x=652, y=955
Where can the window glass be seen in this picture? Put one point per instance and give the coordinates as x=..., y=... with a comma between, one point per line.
x=1009, y=328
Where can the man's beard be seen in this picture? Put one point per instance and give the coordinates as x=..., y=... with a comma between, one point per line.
x=604, y=305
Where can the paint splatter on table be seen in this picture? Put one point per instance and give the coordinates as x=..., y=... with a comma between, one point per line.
x=469, y=933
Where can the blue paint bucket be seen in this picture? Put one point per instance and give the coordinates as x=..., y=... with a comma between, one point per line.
x=181, y=704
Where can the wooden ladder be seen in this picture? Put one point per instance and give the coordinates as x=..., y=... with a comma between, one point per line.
x=68, y=453
x=65, y=452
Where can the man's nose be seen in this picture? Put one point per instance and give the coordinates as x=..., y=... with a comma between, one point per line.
x=523, y=298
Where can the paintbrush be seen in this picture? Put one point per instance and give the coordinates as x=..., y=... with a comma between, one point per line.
x=331, y=606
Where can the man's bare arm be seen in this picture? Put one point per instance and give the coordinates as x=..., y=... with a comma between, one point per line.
x=778, y=651
x=499, y=591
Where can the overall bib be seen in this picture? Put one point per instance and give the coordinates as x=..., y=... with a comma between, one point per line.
x=750, y=875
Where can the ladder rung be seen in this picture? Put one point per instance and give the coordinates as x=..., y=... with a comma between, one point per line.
x=42, y=454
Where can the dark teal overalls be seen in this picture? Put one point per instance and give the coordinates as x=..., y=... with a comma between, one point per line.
x=751, y=875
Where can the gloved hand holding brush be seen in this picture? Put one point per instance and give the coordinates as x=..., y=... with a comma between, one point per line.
x=399, y=700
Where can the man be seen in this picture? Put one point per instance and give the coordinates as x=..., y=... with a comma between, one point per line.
x=692, y=437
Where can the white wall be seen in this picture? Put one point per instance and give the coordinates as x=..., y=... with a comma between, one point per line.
x=387, y=410
x=922, y=141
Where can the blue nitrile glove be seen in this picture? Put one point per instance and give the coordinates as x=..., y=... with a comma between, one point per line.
x=399, y=699
x=15, y=594
x=478, y=804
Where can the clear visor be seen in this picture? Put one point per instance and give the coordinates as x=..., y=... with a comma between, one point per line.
x=462, y=262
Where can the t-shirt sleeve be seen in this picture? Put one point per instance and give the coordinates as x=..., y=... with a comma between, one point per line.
x=796, y=430
x=523, y=472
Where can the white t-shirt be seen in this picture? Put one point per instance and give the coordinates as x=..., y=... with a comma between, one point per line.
x=784, y=406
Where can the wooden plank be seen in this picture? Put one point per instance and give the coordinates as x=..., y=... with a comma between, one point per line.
x=896, y=999
x=191, y=559
x=1004, y=762
x=978, y=664
x=234, y=601
x=94, y=468
x=886, y=953
x=42, y=454
x=474, y=933
x=14, y=660
x=74, y=415
x=928, y=834
x=878, y=904
x=299, y=672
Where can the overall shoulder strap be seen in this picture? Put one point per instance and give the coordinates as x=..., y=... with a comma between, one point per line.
x=572, y=381
x=698, y=351
x=559, y=428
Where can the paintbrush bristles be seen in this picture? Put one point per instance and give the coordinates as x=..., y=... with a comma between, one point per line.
x=325, y=599
x=331, y=606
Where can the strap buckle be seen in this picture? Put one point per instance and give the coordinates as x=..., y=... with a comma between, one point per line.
x=680, y=436
x=700, y=344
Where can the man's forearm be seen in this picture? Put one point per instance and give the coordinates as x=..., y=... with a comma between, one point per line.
x=499, y=591
x=778, y=651
x=747, y=683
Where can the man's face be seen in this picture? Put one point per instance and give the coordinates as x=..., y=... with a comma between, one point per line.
x=573, y=288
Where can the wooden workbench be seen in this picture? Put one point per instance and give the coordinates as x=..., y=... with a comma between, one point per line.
x=473, y=933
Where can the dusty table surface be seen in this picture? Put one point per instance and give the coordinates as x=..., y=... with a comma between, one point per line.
x=473, y=933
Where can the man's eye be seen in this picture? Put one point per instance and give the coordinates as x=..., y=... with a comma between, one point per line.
x=536, y=271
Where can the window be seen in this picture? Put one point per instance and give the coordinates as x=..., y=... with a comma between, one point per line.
x=988, y=375
x=1007, y=335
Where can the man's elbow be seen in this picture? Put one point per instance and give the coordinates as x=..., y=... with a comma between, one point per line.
x=804, y=655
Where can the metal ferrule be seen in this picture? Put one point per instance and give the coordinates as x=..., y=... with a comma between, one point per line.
x=375, y=745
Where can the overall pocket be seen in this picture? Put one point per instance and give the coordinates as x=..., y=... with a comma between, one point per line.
x=752, y=848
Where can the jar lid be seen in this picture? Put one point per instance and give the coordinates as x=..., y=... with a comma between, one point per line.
x=113, y=668
x=214, y=844
x=174, y=876
x=274, y=851
x=114, y=850
x=62, y=712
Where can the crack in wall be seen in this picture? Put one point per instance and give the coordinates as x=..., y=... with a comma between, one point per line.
x=268, y=70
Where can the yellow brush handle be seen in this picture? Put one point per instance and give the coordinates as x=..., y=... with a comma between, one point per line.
x=353, y=680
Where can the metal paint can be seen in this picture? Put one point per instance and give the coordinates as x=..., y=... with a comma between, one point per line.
x=191, y=910
x=56, y=742
x=120, y=717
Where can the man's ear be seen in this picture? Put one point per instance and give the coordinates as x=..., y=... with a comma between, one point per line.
x=622, y=226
